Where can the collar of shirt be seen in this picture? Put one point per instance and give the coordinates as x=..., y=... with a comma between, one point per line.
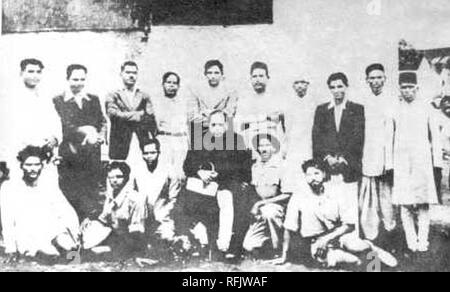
x=342, y=106
x=123, y=195
x=69, y=96
x=274, y=162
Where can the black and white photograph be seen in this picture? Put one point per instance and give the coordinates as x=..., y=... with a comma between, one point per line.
x=224, y=136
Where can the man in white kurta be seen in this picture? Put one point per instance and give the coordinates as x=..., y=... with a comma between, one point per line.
x=417, y=149
x=28, y=117
x=160, y=188
x=261, y=111
x=36, y=217
x=375, y=194
x=172, y=120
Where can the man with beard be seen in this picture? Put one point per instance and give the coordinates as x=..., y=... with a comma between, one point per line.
x=261, y=111
x=270, y=201
x=375, y=194
x=84, y=131
x=130, y=111
x=172, y=120
x=326, y=222
x=36, y=218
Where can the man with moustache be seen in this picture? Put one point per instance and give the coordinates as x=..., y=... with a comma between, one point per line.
x=172, y=120
x=261, y=111
x=84, y=131
x=29, y=117
x=37, y=220
x=270, y=199
x=375, y=194
x=319, y=212
x=130, y=111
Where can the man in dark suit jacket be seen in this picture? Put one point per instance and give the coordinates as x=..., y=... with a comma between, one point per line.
x=226, y=161
x=130, y=111
x=338, y=131
x=84, y=131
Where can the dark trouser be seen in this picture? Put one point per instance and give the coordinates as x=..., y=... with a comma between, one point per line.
x=438, y=181
x=120, y=140
x=79, y=180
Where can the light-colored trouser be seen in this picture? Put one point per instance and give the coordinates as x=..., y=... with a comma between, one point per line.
x=375, y=207
x=226, y=219
x=264, y=229
x=416, y=238
x=173, y=152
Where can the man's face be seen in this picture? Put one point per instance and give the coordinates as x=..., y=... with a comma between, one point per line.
x=77, y=81
x=116, y=179
x=338, y=90
x=171, y=86
x=150, y=154
x=32, y=168
x=376, y=80
x=217, y=125
x=129, y=76
x=408, y=91
x=446, y=107
x=301, y=88
x=315, y=178
x=32, y=76
x=259, y=80
x=214, y=76
x=266, y=149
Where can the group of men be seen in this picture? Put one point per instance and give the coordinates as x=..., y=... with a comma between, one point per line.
x=226, y=172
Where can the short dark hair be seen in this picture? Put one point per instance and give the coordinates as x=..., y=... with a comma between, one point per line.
x=75, y=67
x=128, y=63
x=338, y=76
x=168, y=74
x=24, y=63
x=152, y=142
x=316, y=164
x=374, y=67
x=122, y=166
x=446, y=98
x=212, y=63
x=257, y=140
x=259, y=65
x=32, y=151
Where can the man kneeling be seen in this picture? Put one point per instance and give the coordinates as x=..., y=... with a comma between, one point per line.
x=327, y=222
x=37, y=219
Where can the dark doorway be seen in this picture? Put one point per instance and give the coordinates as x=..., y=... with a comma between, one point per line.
x=212, y=12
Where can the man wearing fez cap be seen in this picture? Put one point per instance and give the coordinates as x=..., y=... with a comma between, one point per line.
x=417, y=149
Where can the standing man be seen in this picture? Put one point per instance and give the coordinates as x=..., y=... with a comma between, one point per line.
x=172, y=119
x=29, y=118
x=210, y=96
x=84, y=131
x=375, y=194
x=417, y=149
x=338, y=131
x=261, y=111
x=299, y=127
x=130, y=111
